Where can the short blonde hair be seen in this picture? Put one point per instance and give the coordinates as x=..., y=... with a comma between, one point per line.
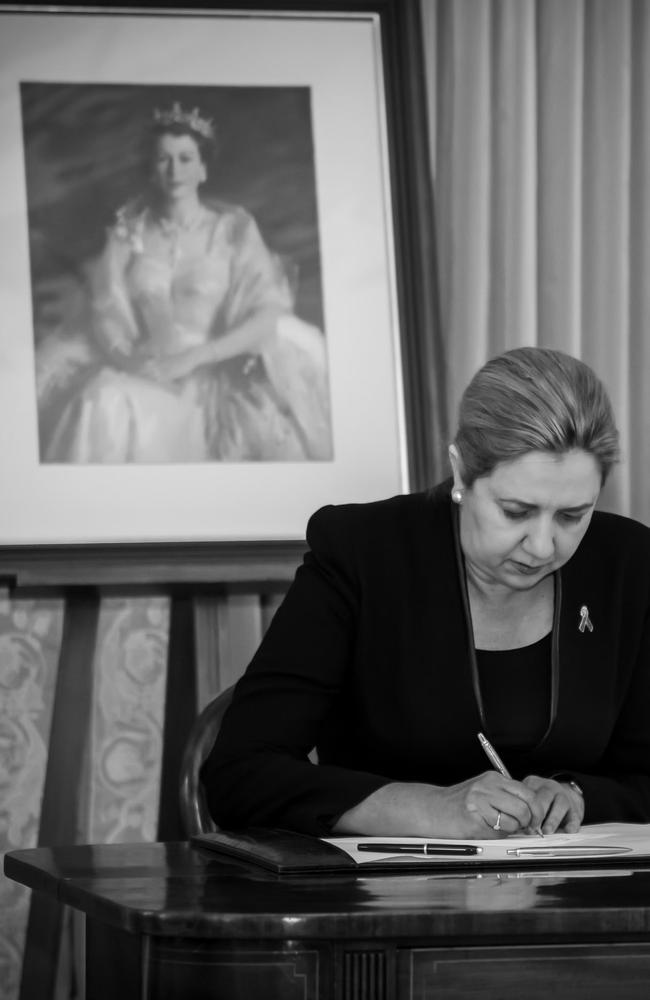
x=534, y=399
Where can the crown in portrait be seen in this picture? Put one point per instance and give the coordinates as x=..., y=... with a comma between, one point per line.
x=190, y=119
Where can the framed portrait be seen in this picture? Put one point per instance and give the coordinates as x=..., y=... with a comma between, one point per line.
x=216, y=277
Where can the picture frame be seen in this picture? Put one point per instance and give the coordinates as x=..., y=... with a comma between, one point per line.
x=379, y=312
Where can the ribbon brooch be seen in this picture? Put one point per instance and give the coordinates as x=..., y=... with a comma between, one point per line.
x=585, y=620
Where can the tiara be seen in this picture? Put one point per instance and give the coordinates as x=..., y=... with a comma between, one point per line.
x=191, y=119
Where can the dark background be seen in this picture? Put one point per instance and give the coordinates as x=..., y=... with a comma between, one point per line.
x=84, y=157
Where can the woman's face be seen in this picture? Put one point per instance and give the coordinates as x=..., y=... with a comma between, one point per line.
x=177, y=166
x=527, y=518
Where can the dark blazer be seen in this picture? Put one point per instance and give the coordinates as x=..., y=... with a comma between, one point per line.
x=370, y=658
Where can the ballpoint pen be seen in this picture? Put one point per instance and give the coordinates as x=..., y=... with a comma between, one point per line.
x=572, y=851
x=428, y=849
x=497, y=763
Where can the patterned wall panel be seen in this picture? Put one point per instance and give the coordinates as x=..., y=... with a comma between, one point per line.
x=119, y=798
x=126, y=732
x=30, y=636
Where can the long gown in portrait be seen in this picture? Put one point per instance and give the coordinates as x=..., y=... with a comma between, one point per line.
x=270, y=406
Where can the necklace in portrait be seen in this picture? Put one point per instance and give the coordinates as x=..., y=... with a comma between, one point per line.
x=173, y=231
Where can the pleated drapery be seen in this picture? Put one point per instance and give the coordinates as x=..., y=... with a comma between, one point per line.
x=540, y=150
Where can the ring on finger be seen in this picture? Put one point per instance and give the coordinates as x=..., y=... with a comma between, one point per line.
x=497, y=825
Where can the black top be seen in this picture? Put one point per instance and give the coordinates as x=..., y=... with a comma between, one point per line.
x=516, y=690
x=371, y=654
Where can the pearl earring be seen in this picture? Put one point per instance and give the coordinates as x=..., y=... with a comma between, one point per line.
x=457, y=496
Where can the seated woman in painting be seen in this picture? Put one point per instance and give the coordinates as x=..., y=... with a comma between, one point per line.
x=188, y=349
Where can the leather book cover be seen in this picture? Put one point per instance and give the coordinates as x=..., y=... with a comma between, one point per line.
x=281, y=851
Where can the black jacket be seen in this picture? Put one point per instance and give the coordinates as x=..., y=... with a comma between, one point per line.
x=370, y=657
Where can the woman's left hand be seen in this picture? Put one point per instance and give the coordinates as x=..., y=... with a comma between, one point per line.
x=562, y=807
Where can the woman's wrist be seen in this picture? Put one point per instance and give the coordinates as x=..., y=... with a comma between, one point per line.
x=395, y=809
x=566, y=778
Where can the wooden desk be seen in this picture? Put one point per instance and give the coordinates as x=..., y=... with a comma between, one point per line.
x=167, y=921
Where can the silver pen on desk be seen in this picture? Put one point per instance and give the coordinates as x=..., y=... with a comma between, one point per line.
x=568, y=851
x=498, y=764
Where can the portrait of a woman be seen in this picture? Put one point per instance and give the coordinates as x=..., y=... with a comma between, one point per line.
x=185, y=345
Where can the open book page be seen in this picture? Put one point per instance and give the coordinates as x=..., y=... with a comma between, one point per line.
x=628, y=840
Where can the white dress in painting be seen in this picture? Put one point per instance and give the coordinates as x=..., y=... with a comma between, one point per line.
x=97, y=406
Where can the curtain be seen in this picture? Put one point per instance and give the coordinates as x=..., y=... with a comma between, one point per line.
x=539, y=118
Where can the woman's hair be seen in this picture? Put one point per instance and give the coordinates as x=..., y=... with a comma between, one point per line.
x=533, y=399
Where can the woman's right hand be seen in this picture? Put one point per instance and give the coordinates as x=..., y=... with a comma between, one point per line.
x=173, y=368
x=469, y=809
x=488, y=806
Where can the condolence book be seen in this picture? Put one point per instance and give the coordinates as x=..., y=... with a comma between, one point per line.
x=288, y=853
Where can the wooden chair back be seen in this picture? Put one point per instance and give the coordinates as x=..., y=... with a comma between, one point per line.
x=193, y=806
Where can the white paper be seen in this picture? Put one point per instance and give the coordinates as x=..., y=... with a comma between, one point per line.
x=633, y=837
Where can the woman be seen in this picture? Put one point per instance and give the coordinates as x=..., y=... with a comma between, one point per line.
x=499, y=602
x=194, y=352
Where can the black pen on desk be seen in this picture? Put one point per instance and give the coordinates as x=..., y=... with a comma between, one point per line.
x=498, y=764
x=428, y=849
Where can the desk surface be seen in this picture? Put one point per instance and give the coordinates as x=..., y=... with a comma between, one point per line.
x=169, y=889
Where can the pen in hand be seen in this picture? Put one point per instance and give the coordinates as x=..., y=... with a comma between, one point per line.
x=498, y=764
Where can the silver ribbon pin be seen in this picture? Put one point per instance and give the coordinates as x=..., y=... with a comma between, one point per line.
x=585, y=620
